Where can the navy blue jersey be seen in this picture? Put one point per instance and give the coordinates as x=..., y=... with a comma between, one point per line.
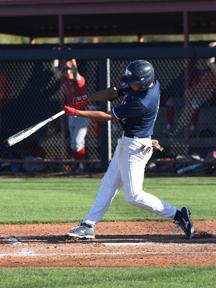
x=138, y=112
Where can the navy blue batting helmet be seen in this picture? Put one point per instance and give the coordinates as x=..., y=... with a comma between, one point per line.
x=139, y=72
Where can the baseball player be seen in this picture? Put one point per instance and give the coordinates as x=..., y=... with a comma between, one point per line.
x=137, y=114
x=74, y=86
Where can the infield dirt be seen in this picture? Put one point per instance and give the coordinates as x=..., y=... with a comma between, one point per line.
x=117, y=244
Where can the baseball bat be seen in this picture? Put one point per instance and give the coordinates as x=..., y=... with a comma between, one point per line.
x=18, y=137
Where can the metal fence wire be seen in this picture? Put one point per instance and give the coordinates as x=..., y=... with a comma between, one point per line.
x=30, y=92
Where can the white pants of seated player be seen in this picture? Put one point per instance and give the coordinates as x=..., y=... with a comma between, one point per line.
x=77, y=130
x=127, y=170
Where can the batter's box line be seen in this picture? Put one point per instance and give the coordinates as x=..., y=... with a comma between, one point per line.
x=29, y=253
x=52, y=239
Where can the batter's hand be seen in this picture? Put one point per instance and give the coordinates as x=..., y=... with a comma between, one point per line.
x=124, y=88
x=71, y=111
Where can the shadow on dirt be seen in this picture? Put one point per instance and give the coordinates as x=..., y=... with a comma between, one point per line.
x=200, y=237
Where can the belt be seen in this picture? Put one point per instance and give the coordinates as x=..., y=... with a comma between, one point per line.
x=132, y=136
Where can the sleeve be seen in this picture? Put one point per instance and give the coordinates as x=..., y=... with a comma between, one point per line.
x=81, y=82
x=128, y=110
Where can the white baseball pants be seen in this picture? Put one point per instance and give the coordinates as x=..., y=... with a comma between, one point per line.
x=77, y=130
x=127, y=170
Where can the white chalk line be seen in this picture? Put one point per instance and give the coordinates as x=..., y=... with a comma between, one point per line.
x=142, y=244
x=29, y=253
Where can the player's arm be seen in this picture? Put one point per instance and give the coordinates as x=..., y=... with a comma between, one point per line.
x=111, y=93
x=211, y=61
x=107, y=94
x=93, y=115
x=56, y=69
x=104, y=95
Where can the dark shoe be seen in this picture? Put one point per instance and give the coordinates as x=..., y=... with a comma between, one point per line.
x=182, y=219
x=83, y=231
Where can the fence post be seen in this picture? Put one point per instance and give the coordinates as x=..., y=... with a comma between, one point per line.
x=106, y=145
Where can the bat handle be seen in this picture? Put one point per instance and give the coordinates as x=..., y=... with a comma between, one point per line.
x=57, y=115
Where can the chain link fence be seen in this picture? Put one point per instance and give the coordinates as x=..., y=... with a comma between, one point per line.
x=30, y=93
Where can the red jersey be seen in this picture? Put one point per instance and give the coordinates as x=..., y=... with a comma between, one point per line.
x=75, y=91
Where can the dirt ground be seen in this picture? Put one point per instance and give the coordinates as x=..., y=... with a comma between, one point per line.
x=117, y=244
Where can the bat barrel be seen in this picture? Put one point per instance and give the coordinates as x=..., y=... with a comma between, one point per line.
x=12, y=140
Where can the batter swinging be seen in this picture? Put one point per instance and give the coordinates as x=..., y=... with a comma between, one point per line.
x=137, y=115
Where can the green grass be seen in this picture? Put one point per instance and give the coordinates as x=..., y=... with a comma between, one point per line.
x=41, y=200
x=153, y=277
x=48, y=200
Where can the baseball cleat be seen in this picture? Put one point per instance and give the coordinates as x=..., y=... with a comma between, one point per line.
x=80, y=232
x=182, y=219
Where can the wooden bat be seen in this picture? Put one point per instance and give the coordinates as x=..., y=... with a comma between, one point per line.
x=12, y=140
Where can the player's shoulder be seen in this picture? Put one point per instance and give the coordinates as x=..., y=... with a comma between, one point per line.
x=155, y=88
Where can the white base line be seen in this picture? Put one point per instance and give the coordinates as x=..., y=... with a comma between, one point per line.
x=140, y=244
x=32, y=254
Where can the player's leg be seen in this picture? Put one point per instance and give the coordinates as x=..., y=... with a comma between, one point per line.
x=109, y=186
x=134, y=160
x=78, y=131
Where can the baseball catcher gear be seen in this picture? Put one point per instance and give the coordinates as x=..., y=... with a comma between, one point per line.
x=139, y=72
